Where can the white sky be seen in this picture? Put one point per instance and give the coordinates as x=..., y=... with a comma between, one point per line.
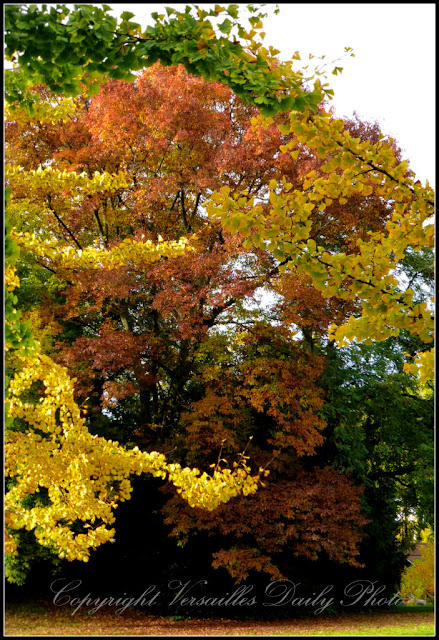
x=391, y=78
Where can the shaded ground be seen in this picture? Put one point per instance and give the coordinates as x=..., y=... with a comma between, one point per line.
x=46, y=619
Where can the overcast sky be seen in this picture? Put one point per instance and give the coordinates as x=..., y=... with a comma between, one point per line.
x=392, y=77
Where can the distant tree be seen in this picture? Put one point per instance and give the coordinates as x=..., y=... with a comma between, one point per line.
x=418, y=579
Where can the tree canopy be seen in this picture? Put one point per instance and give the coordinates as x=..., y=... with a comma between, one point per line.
x=42, y=40
x=147, y=214
x=63, y=48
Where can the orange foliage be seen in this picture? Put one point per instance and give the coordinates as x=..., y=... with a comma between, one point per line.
x=311, y=513
x=148, y=338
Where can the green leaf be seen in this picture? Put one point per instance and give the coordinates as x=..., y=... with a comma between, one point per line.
x=126, y=15
x=226, y=26
x=94, y=89
x=232, y=10
x=288, y=104
x=279, y=255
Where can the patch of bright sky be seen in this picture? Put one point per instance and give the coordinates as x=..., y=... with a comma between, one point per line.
x=391, y=78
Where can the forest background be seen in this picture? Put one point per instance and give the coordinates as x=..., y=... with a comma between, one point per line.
x=150, y=297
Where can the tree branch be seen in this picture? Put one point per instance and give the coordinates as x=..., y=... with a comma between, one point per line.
x=187, y=224
x=100, y=228
x=64, y=226
x=400, y=471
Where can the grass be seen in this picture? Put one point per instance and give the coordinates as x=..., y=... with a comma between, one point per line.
x=387, y=630
x=32, y=619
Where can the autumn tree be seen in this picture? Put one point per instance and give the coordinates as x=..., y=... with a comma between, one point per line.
x=148, y=298
x=232, y=64
x=166, y=354
x=40, y=366
x=361, y=166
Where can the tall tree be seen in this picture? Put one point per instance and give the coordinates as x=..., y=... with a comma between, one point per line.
x=165, y=352
x=142, y=285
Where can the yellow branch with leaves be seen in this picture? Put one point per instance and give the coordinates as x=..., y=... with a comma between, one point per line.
x=285, y=228
x=48, y=446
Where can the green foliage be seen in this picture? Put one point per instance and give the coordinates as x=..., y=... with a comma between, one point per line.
x=18, y=334
x=380, y=430
x=63, y=48
x=381, y=550
x=380, y=425
x=17, y=566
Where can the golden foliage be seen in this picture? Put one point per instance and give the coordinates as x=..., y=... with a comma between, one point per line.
x=285, y=227
x=85, y=476
x=418, y=579
x=50, y=453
